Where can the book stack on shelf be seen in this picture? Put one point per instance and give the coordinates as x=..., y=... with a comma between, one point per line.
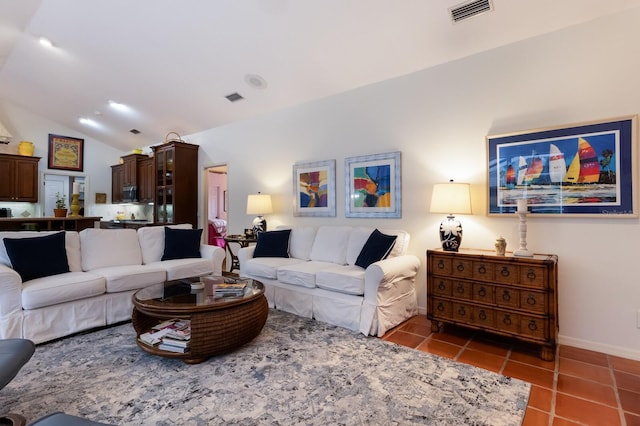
x=235, y=289
x=171, y=335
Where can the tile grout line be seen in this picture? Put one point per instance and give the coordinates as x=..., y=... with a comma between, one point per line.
x=623, y=421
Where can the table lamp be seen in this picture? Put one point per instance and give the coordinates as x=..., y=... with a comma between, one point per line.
x=259, y=204
x=5, y=136
x=451, y=198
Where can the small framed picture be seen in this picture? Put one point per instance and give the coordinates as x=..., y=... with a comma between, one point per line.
x=314, y=188
x=66, y=153
x=373, y=186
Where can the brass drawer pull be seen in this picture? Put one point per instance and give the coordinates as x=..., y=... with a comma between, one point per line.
x=506, y=320
x=460, y=288
x=460, y=267
x=531, y=274
x=482, y=269
x=440, y=264
x=440, y=307
x=506, y=296
x=532, y=325
x=531, y=300
x=441, y=286
x=482, y=316
x=482, y=292
x=505, y=271
x=462, y=311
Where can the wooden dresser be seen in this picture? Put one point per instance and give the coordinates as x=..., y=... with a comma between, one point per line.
x=507, y=295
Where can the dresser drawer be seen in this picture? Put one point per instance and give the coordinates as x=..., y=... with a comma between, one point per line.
x=533, y=276
x=507, y=297
x=532, y=301
x=508, y=321
x=462, y=290
x=483, y=293
x=534, y=327
x=484, y=317
x=462, y=312
x=441, y=308
x=441, y=287
x=462, y=268
x=506, y=273
x=483, y=271
x=440, y=265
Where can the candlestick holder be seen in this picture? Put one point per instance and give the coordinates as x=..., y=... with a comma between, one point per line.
x=75, y=205
x=523, y=251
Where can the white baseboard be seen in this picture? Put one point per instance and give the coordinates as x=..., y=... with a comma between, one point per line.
x=600, y=347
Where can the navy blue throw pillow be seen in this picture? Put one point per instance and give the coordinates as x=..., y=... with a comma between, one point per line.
x=181, y=243
x=377, y=247
x=273, y=244
x=37, y=257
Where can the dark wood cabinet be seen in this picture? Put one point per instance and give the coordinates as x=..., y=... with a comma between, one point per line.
x=507, y=295
x=19, y=178
x=130, y=164
x=146, y=183
x=176, y=183
x=117, y=181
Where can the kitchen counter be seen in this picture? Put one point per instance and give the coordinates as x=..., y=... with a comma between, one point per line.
x=48, y=223
x=126, y=223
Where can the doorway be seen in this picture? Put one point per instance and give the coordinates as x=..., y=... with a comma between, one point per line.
x=61, y=184
x=217, y=204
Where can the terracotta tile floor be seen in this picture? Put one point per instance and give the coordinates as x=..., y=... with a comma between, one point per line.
x=580, y=387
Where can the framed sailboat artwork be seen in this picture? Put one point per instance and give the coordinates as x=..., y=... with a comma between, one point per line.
x=585, y=169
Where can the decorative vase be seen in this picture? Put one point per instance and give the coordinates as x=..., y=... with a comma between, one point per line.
x=501, y=246
x=59, y=212
x=26, y=148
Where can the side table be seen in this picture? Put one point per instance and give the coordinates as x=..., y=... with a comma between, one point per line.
x=242, y=241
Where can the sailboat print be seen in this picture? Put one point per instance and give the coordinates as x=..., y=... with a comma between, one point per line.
x=510, y=177
x=557, y=165
x=522, y=170
x=584, y=167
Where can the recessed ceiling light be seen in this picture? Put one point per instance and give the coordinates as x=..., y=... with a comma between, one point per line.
x=45, y=42
x=255, y=81
x=87, y=121
x=118, y=106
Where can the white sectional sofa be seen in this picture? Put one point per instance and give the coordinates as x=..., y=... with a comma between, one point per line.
x=320, y=278
x=106, y=266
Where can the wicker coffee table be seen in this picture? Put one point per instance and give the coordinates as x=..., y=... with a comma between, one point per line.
x=218, y=325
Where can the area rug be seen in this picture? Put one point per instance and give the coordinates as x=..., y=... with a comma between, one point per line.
x=296, y=372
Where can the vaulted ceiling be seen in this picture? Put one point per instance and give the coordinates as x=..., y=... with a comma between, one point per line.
x=172, y=63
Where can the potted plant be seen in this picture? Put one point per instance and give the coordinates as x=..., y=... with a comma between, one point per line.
x=61, y=206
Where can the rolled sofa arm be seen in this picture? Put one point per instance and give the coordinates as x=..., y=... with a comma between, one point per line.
x=388, y=277
x=215, y=254
x=10, y=291
x=244, y=254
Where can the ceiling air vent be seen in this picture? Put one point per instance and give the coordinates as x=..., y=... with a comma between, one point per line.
x=234, y=97
x=469, y=9
x=135, y=131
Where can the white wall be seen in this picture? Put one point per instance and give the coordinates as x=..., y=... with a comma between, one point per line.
x=438, y=119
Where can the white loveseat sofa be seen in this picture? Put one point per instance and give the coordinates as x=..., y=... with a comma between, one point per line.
x=321, y=280
x=106, y=266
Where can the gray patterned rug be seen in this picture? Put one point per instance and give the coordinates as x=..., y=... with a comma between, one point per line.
x=297, y=372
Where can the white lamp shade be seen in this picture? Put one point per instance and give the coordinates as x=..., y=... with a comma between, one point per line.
x=451, y=198
x=4, y=134
x=259, y=204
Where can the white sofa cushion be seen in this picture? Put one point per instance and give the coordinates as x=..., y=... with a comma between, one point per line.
x=402, y=242
x=267, y=267
x=301, y=242
x=302, y=274
x=347, y=279
x=102, y=248
x=183, y=268
x=151, y=240
x=55, y=289
x=330, y=244
x=130, y=277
